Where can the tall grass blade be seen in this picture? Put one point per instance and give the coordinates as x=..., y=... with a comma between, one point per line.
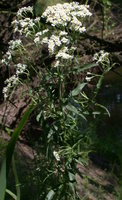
x=14, y=138
x=3, y=180
x=9, y=152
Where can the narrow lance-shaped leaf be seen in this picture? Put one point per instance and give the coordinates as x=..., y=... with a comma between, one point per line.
x=75, y=110
x=3, y=180
x=9, y=152
x=85, y=67
x=14, y=138
x=78, y=89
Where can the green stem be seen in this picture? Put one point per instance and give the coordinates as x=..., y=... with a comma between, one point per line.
x=103, y=23
x=86, y=2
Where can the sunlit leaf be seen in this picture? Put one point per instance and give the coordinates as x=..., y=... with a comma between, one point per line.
x=78, y=89
x=50, y=195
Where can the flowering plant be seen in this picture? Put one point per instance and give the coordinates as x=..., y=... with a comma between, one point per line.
x=67, y=16
x=44, y=50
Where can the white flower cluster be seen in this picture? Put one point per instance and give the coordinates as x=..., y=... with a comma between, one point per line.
x=25, y=26
x=63, y=54
x=24, y=10
x=56, y=41
x=101, y=57
x=14, y=44
x=7, y=58
x=13, y=80
x=20, y=68
x=39, y=35
x=10, y=83
x=67, y=14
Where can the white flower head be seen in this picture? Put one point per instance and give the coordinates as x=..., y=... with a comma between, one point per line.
x=10, y=84
x=67, y=14
x=63, y=33
x=14, y=44
x=37, y=40
x=63, y=54
x=24, y=10
x=64, y=40
x=44, y=40
x=7, y=58
x=101, y=57
x=20, y=68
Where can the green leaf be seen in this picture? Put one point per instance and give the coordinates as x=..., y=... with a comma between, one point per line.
x=50, y=195
x=103, y=107
x=72, y=181
x=3, y=180
x=78, y=89
x=74, y=110
x=15, y=136
x=86, y=67
x=9, y=152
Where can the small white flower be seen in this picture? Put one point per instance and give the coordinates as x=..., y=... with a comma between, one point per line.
x=57, y=63
x=13, y=44
x=7, y=58
x=10, y=83
x=64, y=40
x=62, y=54
x=56, y=155
x=82, y=29
x=45, y=31
x=101, y=57
x=24, y=10
x=56, y=40
x=37, y=40
x=44, y=40
x=63, y=33
x=20, y=68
